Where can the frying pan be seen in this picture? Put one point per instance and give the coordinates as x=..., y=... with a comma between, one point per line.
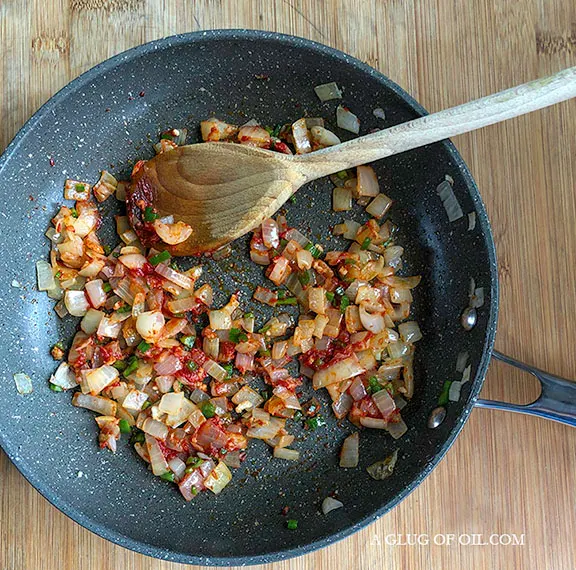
x=109, y=118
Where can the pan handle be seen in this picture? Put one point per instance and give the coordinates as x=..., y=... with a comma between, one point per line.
x=557, y=401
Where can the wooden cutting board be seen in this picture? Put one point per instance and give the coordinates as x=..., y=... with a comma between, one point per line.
x=506, y=474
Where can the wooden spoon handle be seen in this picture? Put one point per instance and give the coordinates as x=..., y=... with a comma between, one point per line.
x=439, y=126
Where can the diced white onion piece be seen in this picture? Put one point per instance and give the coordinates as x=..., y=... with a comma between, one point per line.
x=466, y=374
x=164, y=383
x=105, y=186
x=449, y=201
x=341, y=199
x=322, y=137
x=23, y=383
x=304, y=259
x=149, y=325
x=98, y=378
x=454, y=391
x=76, y=303
x=329, y=504
x=172, y=234
x=218, y=478
x=220, y=320
x=97, y=404
x=175, y=276
x=349, y=454
x=168, y=365
x=155, y=428
x=211, y=347
x=133, y=260
x=45, y=276
x=409, y=331
x=477, y=300
x=461, y=361
x=351, y=229
x=397, y=429
x=371, y=322
x=172, y=403
x=64, y=377
x=384, y=402
x=121, y=191
x=342, y=370
x=266, y=431
x=471, y=221
x=379, y=113
x=347, y=120
x=178, y=467
x=328, y=91
x=379, y=206
x=215, y=370
x=342, y=405
x=301, y=137
x=357, y=389
x=109, y=328
x=247, y=394
x=374, y=423
x=286, y=453
x=76, y=190
x=157, y=459
x=366, y=182
x=91, y=321
x=134, y=400
x=270, y=234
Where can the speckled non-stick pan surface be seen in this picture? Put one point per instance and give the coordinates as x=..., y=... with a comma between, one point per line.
x=108, y=118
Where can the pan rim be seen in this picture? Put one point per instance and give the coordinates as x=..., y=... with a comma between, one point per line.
x=482, y=222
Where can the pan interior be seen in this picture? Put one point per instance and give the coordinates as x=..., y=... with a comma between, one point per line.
x=109, y=119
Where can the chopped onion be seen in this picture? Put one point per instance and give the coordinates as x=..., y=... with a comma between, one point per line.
x=176, y=277
x=301, y=137
x=366, y=182
x=397, y=429
x=343, y=405
x=379, y=206
x=23, y=383
x=149, y=325
x=155, y=428
x=98, y=378
x=461, y=361
x=220, y=320
x=178, y=467
x=349, y=454
x=379, y=113
x=270, y=233
x=45, y=276
x=347, y=120
x=134, y=400
x=105, y=186
x=322, y=137
x=357, y=389
x=211, y=347
x=76, y=303
x=157, y=460
x=97, y=404
x=449, y=201
x=171, y=403
x=454, y=391
x=168, y=366
x=64, y=377
x=341, y=199
x=328, y=91
x=267, y=431
x=384, y=402
x=109, y=328
x=96, y=293
x=286, y=453
x=91, y=321
x=172, y=234
x=350, y=229
x=218, y=478
x=466, y=374
x=477, y=300
x=215, y=370
x=374, y=423
x=133, y=260
x=329, y=504
x=409, y=331
x=247, y=394
x=471, y=221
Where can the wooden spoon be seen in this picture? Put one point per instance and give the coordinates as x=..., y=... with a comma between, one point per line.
x=225, y=190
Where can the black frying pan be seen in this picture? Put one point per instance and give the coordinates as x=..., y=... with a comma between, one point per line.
x=108, y=118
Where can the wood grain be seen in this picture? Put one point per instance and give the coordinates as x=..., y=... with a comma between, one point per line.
x=506, y=473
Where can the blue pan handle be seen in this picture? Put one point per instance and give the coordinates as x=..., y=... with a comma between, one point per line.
x=557, y=400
